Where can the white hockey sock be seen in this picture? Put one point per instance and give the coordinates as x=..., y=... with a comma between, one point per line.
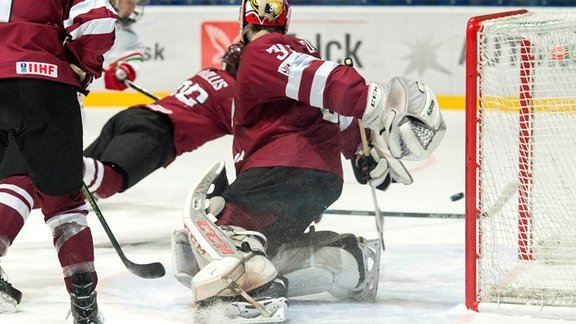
x=93, y=173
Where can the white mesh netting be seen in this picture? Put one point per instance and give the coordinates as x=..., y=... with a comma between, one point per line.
x=527, y=147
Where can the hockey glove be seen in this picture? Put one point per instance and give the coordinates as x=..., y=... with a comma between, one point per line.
x=116, y=74
x=398, y=171
x=84, y=78
x=406, y=114
x=367, y=169
x=379, y=168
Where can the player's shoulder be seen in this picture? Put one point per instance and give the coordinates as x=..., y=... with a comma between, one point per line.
x=271, y=43
x=302, y=45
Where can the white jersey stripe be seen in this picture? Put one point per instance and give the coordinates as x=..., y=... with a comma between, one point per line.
x=94, y=27
x=295, y=64
x=5, y=10
x=93, y=173
x=344, y=122
x=19, y=191
x=84, y=7
x=319, y=83
x=89, y=171
x=15, y=203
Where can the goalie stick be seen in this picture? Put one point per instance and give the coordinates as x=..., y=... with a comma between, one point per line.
x=379, y=218
x=351, y=212
x=141, y=90
x=148, y=270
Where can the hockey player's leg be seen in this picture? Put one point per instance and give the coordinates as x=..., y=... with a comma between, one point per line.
x=236, y=279
x=17, y=198
x=343, y=265
x=65, y=215
x=132, y=144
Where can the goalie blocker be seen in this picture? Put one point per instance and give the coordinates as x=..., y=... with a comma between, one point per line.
x=342, y=265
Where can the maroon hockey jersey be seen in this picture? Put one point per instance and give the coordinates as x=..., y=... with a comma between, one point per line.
x=41, y=38
x=200, y=109
x=287, y=106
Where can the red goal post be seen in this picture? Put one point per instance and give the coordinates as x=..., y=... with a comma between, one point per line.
x=520, y=178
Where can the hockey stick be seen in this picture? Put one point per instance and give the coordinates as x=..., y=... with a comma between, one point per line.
x=348, y=212
x=379, y=217
x=149, y=270
x=141, y=90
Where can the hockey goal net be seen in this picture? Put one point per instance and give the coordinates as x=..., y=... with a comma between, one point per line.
x=521, y=163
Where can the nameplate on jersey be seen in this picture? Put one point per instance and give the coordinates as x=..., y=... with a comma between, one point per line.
x=37, y=68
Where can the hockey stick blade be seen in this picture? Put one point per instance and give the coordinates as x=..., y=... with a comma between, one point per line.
x=148, y=270
x=391, y=214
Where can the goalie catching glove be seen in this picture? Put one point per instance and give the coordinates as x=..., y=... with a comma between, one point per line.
x=379, y=168
x=406, y=115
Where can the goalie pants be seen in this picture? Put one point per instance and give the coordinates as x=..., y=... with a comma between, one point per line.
x=136, y=141
x=280, y=202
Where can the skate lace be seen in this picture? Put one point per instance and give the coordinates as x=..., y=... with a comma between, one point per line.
x=83, y=309
x=84, y=304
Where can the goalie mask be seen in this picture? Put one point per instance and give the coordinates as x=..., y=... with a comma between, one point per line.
x=268, y=13
x=231, y=59
x=418, y=126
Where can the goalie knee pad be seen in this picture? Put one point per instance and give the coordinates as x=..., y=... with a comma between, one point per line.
x=327, y=262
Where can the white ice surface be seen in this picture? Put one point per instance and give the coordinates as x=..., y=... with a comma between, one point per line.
x=422, y=277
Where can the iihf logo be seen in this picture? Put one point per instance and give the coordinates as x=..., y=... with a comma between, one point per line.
x=37, y=68
x=285, y=69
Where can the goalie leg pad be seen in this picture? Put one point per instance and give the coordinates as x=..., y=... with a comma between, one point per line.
x=254, y=270
x=326, y=262
x=231, y=259
x=183, y=260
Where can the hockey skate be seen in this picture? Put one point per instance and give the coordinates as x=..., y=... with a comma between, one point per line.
x=9, y=296
x=263, y=305
x=83, y=306
x=241, y=290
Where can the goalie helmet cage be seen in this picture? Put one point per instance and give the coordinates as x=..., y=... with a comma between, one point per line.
x=520, y=174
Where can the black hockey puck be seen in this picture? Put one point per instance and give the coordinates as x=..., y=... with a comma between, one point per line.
x=457, y=196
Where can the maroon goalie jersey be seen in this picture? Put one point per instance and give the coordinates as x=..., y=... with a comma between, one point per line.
x=288, y=103
x=41, y=38
x=200, y=109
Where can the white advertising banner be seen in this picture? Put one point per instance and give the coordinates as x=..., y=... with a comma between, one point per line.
x=425, y=43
